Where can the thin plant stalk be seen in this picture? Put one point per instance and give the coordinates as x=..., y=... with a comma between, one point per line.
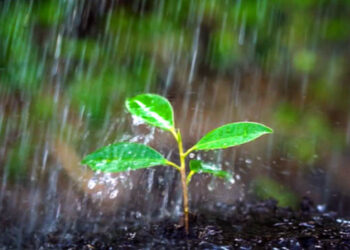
x=184, y=182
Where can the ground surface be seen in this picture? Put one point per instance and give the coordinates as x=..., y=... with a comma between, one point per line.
x=260, y=225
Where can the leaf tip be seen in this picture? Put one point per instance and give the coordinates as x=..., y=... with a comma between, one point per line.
x=269, y=130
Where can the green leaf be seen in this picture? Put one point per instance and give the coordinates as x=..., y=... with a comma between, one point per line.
x=122, y=157
x=198, y=166
x=153, y=109
x=232, y=134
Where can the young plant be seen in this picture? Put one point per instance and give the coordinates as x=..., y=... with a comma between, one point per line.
x=157, y=111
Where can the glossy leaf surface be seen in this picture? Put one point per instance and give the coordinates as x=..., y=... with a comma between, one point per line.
x=122, y=157
x=232, y=134
x=202, y=167
x=153, y=109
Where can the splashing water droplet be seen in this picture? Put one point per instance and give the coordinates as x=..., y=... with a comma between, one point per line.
x=114, y=194
x=91, y=184
x=138, y=215
x=248, y=161
x=211, y=186
x=136, y=121
x=232, y=181
x=321, y=208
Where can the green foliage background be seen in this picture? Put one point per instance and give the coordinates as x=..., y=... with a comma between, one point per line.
x=67, y=66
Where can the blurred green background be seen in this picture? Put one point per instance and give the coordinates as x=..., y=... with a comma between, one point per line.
x=66, y=68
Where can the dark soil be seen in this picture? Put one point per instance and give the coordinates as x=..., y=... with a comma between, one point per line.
x=260, y=225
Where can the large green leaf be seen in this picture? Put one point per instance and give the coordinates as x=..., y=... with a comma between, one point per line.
x=122, y=157
x=153, y=109
x=198, y=166
x=231, y=135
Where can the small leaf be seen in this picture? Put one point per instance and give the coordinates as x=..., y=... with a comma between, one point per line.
x=122, y=157
x=198, y=166
x=232, y=134
x=153, y=109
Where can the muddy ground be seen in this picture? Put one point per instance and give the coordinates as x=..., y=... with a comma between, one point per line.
x=257, y=225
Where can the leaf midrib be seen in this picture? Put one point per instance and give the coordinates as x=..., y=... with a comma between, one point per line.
x=166, y=124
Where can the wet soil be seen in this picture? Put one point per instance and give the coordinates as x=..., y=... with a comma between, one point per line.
x=259, y=225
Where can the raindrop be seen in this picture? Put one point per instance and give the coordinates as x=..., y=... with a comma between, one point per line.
x=321, y=208
x=248, y=161
x=211, y=186
x=138, y=215
x=114, y=194
x=232, y=181
x=91, y=184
